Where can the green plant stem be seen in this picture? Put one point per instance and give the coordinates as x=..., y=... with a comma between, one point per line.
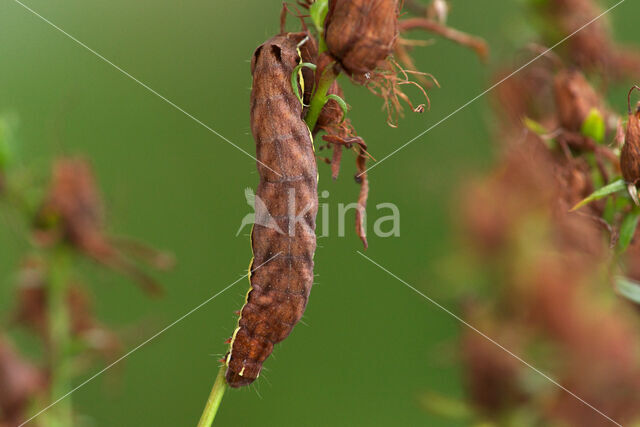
x=322, y=45
x=213, y=403
x=59, y=337
x=320, y=97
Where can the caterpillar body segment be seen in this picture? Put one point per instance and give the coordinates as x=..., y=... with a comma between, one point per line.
x=281, y=272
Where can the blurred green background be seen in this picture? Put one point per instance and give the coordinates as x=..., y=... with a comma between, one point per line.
x=370, y=347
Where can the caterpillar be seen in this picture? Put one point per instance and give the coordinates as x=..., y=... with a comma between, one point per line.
x=288, y=189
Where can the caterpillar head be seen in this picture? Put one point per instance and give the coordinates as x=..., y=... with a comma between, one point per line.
x=279, y=50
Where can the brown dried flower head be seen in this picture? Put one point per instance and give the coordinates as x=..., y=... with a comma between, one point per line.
x=73, y=207
x=590, y=47
x=360, y=34
x=491, y=375
x=72, y=213
x=575, y=98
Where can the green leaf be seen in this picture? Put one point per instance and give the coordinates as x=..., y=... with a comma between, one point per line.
x=446, y=407
x=593, y=126
x=295, y=75
x=628, y=229
x=318, y=12
x=610, y=210
x=612, y=188
x=628, y=289
x=341, y=103
x=535, y=126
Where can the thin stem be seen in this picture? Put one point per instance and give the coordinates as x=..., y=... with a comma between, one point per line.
x=475, y=43
x=213, y=403
x=59, y=336
x=320, y=97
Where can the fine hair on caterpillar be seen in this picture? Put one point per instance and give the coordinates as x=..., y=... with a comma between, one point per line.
x=288, y=178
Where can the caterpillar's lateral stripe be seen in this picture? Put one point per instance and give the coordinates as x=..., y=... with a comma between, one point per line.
x=279, y=289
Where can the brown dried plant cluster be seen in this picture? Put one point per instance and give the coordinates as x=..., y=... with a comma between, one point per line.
x=72, y=213
x=551, y=301
x=592, y=47
x=365, y=40
x=362, y=36
x=64, y=224
x=548, y=252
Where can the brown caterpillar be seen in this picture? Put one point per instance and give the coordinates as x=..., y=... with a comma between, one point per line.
x=288, y=189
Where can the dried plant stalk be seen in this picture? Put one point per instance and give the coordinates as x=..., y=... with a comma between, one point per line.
x=433, y=26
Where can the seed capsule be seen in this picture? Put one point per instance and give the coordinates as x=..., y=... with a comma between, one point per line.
x=575, y=98
x=630, y=156
x=360, y=34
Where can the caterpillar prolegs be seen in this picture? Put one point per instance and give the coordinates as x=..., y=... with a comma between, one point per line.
x=284, y=248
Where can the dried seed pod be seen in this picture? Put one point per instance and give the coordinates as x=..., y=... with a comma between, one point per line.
x=528, y=93
x=281, y=273
x=360, y=34
x=630, y=155
x=575, y=98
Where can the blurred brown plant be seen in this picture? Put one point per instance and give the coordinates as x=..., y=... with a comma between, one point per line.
x=590, y=47
x=549, y=267
x=32, y=312
x=66, y=221
x=73, y=213
x=536, y=232
x=20, y=382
